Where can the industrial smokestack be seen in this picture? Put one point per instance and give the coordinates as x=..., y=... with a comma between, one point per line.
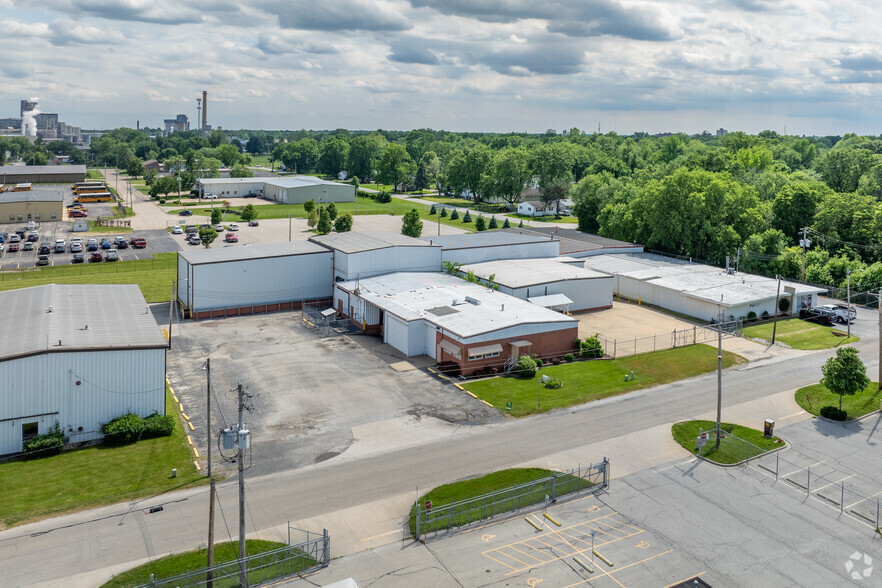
x=204, y=110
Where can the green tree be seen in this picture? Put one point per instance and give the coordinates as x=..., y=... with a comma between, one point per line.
x=312, y=219
x=795, y=206
x=444, y=213
x=466, y=170
x=216, y=216
x=493, y=224
x=421, y=179
x=249, y=212
x=163, y=186
x=324, y=225
x=467, y=218
x=433, y=211
x=217, y=138
x=256, y=145
x=228, y=154
x=309, y=205
x=207, y=236
x=332, y=210
x=506, y=224
x=411, y=225
x=332, y=156
x=508, y=175
x=480, y=224
x=301, y=156
x=135, y=168
x=395, y=166
x=364, y=151
x=240, y=171
x=845, y=374
x=343, y=223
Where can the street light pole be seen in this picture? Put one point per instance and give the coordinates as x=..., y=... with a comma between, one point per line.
x=719, y=378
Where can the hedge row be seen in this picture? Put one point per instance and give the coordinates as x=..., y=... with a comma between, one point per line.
x=50, y=443
x=130, y=428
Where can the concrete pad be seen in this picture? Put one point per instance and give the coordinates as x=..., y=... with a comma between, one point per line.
x=402, y=366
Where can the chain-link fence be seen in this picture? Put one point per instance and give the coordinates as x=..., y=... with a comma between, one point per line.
x=257, y=569
x=428, y=519
x=731, y=448
x=678, y=338
x=323, y=319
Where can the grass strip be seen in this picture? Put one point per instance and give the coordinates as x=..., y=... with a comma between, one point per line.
x=586, y=381
x=799, y=334
x=731, y=450
x=224, y=553
x=96, y=476
x=862, y=403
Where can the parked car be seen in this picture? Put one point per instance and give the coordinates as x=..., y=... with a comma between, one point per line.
x=233, y=227
x=185, y=213
x=194, y=240
x=847, y=312
x=105, y=243
x=21, y=234
x=219, y=228
x=92, y=245
x=138, y=243
x=819, y=315
x=77, y=258
x=96, y=257
x=42, y=260
x=212, y=196
x=60, y=246
x=76, y=247
x=15, y=238
x=28, y=246
x=231, y=238
x=177, y=230
x=112, y=255
x=44, y=248
x=4, y=237
x=204, y=226
x=33, y=236
x=13, y=247
x=192, y=229
x=76, y=213
x=253, y=223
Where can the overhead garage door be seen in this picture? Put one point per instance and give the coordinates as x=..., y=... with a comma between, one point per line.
x=396, y=333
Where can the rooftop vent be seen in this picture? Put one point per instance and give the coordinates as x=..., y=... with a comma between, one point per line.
x=474, y=301
x=50, y=309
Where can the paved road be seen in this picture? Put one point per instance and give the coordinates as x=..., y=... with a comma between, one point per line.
x=101, y=540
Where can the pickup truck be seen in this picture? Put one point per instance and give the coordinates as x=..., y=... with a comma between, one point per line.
x=138, y=243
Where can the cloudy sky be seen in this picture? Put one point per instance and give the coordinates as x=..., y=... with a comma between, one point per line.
x=812, y=66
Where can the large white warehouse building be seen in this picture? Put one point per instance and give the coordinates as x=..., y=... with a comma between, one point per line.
x=493, y=245
x=287, y=190
x=701, y=291
x=230, y=281
x=363, y=255
x=78, y=356
x=548, y=282
x=456, y=322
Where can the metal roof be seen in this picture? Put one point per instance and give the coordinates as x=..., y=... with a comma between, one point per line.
x=484, y=239
x=550, y=300
x=441, y=300
x=82, y=317
x=42, y=169
x=31, y=196
x=258, y=251
x=351, y=242
x=521, y=273
x=573, y=240
x=282, y=182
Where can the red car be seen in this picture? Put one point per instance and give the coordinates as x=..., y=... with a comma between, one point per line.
x=96, y=257
x=76, y=213
x=231, y=238
x=138, y=243
x=13, y=247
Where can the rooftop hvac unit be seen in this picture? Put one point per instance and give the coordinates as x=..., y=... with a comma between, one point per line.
x=474, y=301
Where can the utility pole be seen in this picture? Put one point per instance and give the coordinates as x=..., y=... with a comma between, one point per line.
x=289, y=226
x=719, y=378
x=209, y=576
x=879, y=306
x=804, y=242
x=243, y=573
x=208, y=411
x=775, y=323
x=848, y=301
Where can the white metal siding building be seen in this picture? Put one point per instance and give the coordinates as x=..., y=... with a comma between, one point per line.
x=364, y=255
x=531, y=279
x=56, y=370
x=493, y=245
x=286, y=190
x=701, y=291
x=257, y=278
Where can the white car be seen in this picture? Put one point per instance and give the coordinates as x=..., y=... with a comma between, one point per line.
x=212, y=196
x=177, y=230
x=219, y=228
x=233, y=227
x=842, y=312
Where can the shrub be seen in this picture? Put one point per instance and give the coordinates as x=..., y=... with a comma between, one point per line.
x=443, y=213
x=554, y=383
x=384, y=197
x=480, y=224
x=432, y=210
x=50, y=443
x=157, y=425
x=493, y=224
x=467, y=218
x=332, y=210
x=539, y=362
x=454, y=215
x=765, y=314
x=833, y=413
x=577, y=344
x=521, y=224
x=751, y=316
x=784, y=304
x=506, y=224
x=591, y=347
x=309, y=205
x=125, y=429
x=569, y=357
x=162, y=200
x=526, y=366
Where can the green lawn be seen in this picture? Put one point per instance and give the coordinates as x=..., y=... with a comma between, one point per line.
x=87, y=478
x=862, y=403
x=153, y=276
x=547, y=219
x=180, y=563
x=731, y=450
x=586, y=381
x=446, y=200
x=94, y=174
x=472, y=488
x=800, y=334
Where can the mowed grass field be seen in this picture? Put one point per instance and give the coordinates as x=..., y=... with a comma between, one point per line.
x=731, y=451
x=862, y=403
x=800, y=334
x=586, y=381
x=86, y=478
x=153, y=276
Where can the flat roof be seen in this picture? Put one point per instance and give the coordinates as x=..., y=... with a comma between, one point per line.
x=351, y=242
x=31, y=196
x=484, y=239
x=696, y=280
x=115, y=315
x=42, y=169
x=573, y=240
x=280, y=181
x=521, y=273
x=245, y=252
x=441, y=300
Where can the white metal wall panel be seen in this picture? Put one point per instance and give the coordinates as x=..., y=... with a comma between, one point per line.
x=519, y=251
x=366, y=264
x=395, y=333
x=585, y=294
x=430, y=333
x=416, y=338
x=111, y=384
x=261, y=281
x=520, y=331
x=183, y=283
x=371, y=314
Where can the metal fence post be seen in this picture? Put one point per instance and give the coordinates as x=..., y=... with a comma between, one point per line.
x=614, y=348
x=416, y=528
x=777, y=459
x=605, y=472
x=808, y=483
x=842, y=497
x=326, y=545
x=747, y=447
x=693, y=334
x=877, y=513
x=553, y=477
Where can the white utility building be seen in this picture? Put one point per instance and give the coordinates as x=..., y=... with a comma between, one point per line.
x=549, y=282
x=493, y=245
x=701, y=291
x=79, y=356
x=362, y=255
x=286, y=190
x=230, y=281
x=452, y=320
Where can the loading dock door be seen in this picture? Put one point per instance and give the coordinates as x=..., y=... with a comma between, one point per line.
x=396, y=333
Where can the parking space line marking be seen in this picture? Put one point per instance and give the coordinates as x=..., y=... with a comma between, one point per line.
x=803, y=469
x=381, y=535
x=831, y=483
x=790, y=416
x=539, y=559
x=863, y=499
x=685, y=580
x=497, y=561
x=610, y=574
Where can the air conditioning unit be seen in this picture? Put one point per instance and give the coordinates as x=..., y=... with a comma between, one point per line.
x=474, y=301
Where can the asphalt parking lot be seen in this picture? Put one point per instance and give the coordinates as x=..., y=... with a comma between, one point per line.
x=314, y=397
